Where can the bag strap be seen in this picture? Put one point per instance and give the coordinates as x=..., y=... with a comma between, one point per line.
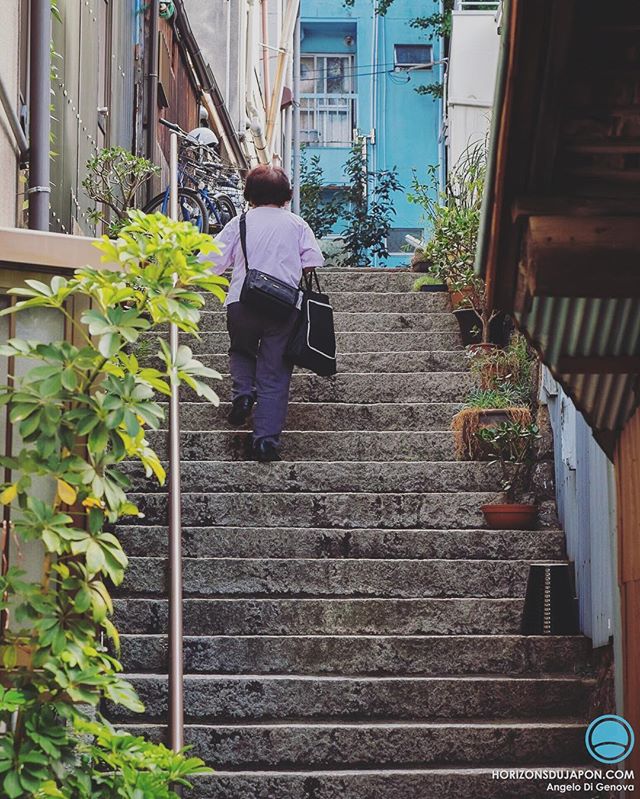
x=308, y=278
x=243, y=238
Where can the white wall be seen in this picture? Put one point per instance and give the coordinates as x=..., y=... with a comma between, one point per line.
x=9, y=39
x=230, y=35
x=473, y=62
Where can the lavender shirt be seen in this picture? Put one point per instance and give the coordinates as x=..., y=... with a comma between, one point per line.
x=278, y=243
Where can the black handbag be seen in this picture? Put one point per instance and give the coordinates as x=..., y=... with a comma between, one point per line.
x=265, y=293
x=312, y=344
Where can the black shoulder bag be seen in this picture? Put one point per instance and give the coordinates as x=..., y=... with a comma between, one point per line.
x=262, y=292
x=312, y=344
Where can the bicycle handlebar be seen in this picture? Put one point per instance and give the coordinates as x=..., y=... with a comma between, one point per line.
x=172, y=126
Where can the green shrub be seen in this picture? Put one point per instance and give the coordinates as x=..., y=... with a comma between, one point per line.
x=425, y=280
x=80, y=411
x=113, y=178
x=506, y=397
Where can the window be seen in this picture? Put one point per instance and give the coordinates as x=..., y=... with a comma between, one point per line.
x=413, y=55
x=327, y=99
x=396, y=243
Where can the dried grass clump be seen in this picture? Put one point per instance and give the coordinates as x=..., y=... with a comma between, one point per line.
x=466, y=423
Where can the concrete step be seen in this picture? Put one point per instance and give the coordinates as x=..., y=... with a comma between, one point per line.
x=387, y=387
x=332, y=415
x=368, y=302
x=300, y=542
x=329, y=577
x=217, y=699
x=373, y=280
x=348, y=321
x=327, y=476
x=361, y=655
x=513, y=747
x=347, y=342
x=356, y=746
x=326, y=616
x=314, y=445
x=425, y=511
x=359, y=362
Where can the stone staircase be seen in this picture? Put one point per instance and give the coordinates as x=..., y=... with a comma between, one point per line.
x=351, y=630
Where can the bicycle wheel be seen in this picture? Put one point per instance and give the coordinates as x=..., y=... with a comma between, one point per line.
x=191, y=208
x=222, y=211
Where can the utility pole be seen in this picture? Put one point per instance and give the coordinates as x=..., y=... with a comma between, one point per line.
x=296, y=116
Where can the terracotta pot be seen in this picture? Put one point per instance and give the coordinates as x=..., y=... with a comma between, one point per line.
x=457, y=297
x=510, y=516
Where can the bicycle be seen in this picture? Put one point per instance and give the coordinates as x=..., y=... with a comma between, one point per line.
x=196, y=205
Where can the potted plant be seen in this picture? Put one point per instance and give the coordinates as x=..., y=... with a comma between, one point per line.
x=486, y=409
x=512, y=446
x=479, y=324
x=428, y=282
x=452, y=217
x=513, y=366
x=113, y=179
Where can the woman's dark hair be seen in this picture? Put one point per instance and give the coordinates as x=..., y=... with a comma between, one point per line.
x=267, y=185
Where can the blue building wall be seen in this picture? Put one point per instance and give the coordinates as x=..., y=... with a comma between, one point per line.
x=406, y=125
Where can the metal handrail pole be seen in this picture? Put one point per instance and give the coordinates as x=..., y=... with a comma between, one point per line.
x=176, y=662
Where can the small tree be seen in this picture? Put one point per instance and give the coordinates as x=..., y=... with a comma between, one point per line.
x=453, y=219
x=81, y=411
x=114, y=177
x=368, y=207
x=512, y=445
x=319, y=212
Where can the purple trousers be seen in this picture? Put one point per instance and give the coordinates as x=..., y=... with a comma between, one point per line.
x=258, y=366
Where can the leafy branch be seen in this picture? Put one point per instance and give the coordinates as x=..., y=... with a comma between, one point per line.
x=80, y=411
x=114, y=177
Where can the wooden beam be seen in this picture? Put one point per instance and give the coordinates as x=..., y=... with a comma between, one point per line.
x=598, y=365
x=611, y=146
x=615, y=232
x=582, y=256
x=55, y=252
x=544, y=205
x=614, y=176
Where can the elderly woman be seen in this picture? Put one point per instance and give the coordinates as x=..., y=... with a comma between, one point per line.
x=282, y=245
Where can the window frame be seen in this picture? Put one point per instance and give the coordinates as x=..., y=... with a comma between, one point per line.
x=316, y=98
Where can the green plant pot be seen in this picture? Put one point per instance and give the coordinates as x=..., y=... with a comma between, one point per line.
x=434, y=287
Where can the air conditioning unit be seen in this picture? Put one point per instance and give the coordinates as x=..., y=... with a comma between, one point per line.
x=413, y=56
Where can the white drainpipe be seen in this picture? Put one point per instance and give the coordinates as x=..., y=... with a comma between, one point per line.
x=259, y=141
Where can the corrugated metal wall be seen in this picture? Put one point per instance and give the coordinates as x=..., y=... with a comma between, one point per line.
x=587, y=510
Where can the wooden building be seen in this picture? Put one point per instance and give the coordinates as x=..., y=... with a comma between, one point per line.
x=118, y=67
x=560, y=238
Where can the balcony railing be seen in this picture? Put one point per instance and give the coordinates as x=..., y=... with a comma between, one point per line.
x=327, y=119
